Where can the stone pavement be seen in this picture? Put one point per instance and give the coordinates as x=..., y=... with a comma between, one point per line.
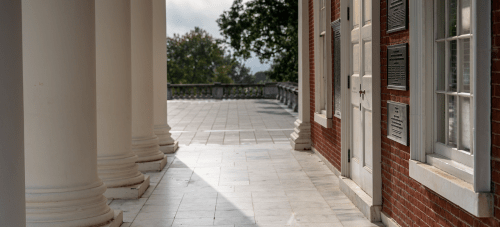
x=230, y=122
x=239, y=180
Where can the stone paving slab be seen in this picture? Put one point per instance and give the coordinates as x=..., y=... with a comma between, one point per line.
x=230, y=122
x=247, y=185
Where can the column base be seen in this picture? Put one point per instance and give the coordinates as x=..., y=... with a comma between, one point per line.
x=153, y=166
x=300, y=146
x=301, y=137
x=117, y=221
x=169, y=149
x=129, y=192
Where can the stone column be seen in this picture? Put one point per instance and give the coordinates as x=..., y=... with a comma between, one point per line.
x=12, y=201
x=301, y=137
x=115, y=160
x=145, y=143
x=62, y=185
x=161, y=128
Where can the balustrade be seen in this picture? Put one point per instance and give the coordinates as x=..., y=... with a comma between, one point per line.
x=221, y=91
x=286, y=92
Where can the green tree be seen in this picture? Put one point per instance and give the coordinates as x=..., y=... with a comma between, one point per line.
x=262, y=77
x=268, y=28
x=240, y=74
x=197, y=58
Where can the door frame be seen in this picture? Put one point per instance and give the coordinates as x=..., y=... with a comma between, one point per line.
x=376, y=95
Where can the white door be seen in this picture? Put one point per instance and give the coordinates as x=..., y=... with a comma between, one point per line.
x=362, y=117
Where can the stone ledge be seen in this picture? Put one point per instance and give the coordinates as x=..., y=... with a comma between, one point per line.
x=169, y=149
x=154, y=166
x=323, y=121
x=388, y=222
x=129, y=192
x=357, y=196
x=117, y=220
x=455, y=190
x=360, y=199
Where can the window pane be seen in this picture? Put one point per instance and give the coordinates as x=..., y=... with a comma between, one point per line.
x=452, y=79
x=465, y=55
x=336, y=68
x=465, y=118
x=440, y=61
x=465, y=16
x=452, y=18
x=452, y=121
x=441, y=118
x=440, y=19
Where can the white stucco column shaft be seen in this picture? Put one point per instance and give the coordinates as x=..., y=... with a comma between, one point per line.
x=12, y=202
x=301, y=137
x=162, y=129
x=62, y=185
x=145, y=143
x=115, y=160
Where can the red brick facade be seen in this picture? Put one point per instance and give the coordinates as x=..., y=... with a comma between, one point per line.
x=326, y=141
x=405, y=200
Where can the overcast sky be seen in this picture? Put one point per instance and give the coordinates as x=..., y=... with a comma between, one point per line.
x=184, y=15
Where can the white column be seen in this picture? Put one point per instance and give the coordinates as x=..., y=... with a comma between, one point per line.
x=301, y=137
x=62, y=186
x=12, y=202
x=162, y=129
x=115, y=160
x=145, y=143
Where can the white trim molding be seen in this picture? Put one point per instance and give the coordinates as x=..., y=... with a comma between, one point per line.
x=323, y=86
x=322, y=120
x=345, y=130
x=453, y=189
x=473, y=196
x=370, y=206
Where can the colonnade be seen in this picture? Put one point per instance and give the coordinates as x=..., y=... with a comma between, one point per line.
x=79, y=98
x=301, y=137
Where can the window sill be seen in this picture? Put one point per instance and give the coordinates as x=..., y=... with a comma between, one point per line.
x=322, y=120
x=453, y=189
x=454, y=168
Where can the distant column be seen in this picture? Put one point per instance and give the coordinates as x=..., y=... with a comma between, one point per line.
x=12, y=201
x=162, y=129
x=145, y=143
x=301, y=137
x=62, y=186
x=115, y=160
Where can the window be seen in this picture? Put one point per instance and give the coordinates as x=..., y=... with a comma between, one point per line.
x=323, y=63
x=450, y=135
x=452, y=90
x=336, y=66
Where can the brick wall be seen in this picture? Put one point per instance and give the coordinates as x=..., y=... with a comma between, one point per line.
x=326, y=141
x=495, y=107
x=405, y=200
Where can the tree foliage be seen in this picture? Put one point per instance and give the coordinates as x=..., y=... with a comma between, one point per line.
x=199, y=58
x=241, y=74
x=268, y=28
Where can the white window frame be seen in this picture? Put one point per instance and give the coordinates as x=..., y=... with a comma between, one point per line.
x=440, y=174
x=323, y=66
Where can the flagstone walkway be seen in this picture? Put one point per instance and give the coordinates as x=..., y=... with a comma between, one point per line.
x=235, y=167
